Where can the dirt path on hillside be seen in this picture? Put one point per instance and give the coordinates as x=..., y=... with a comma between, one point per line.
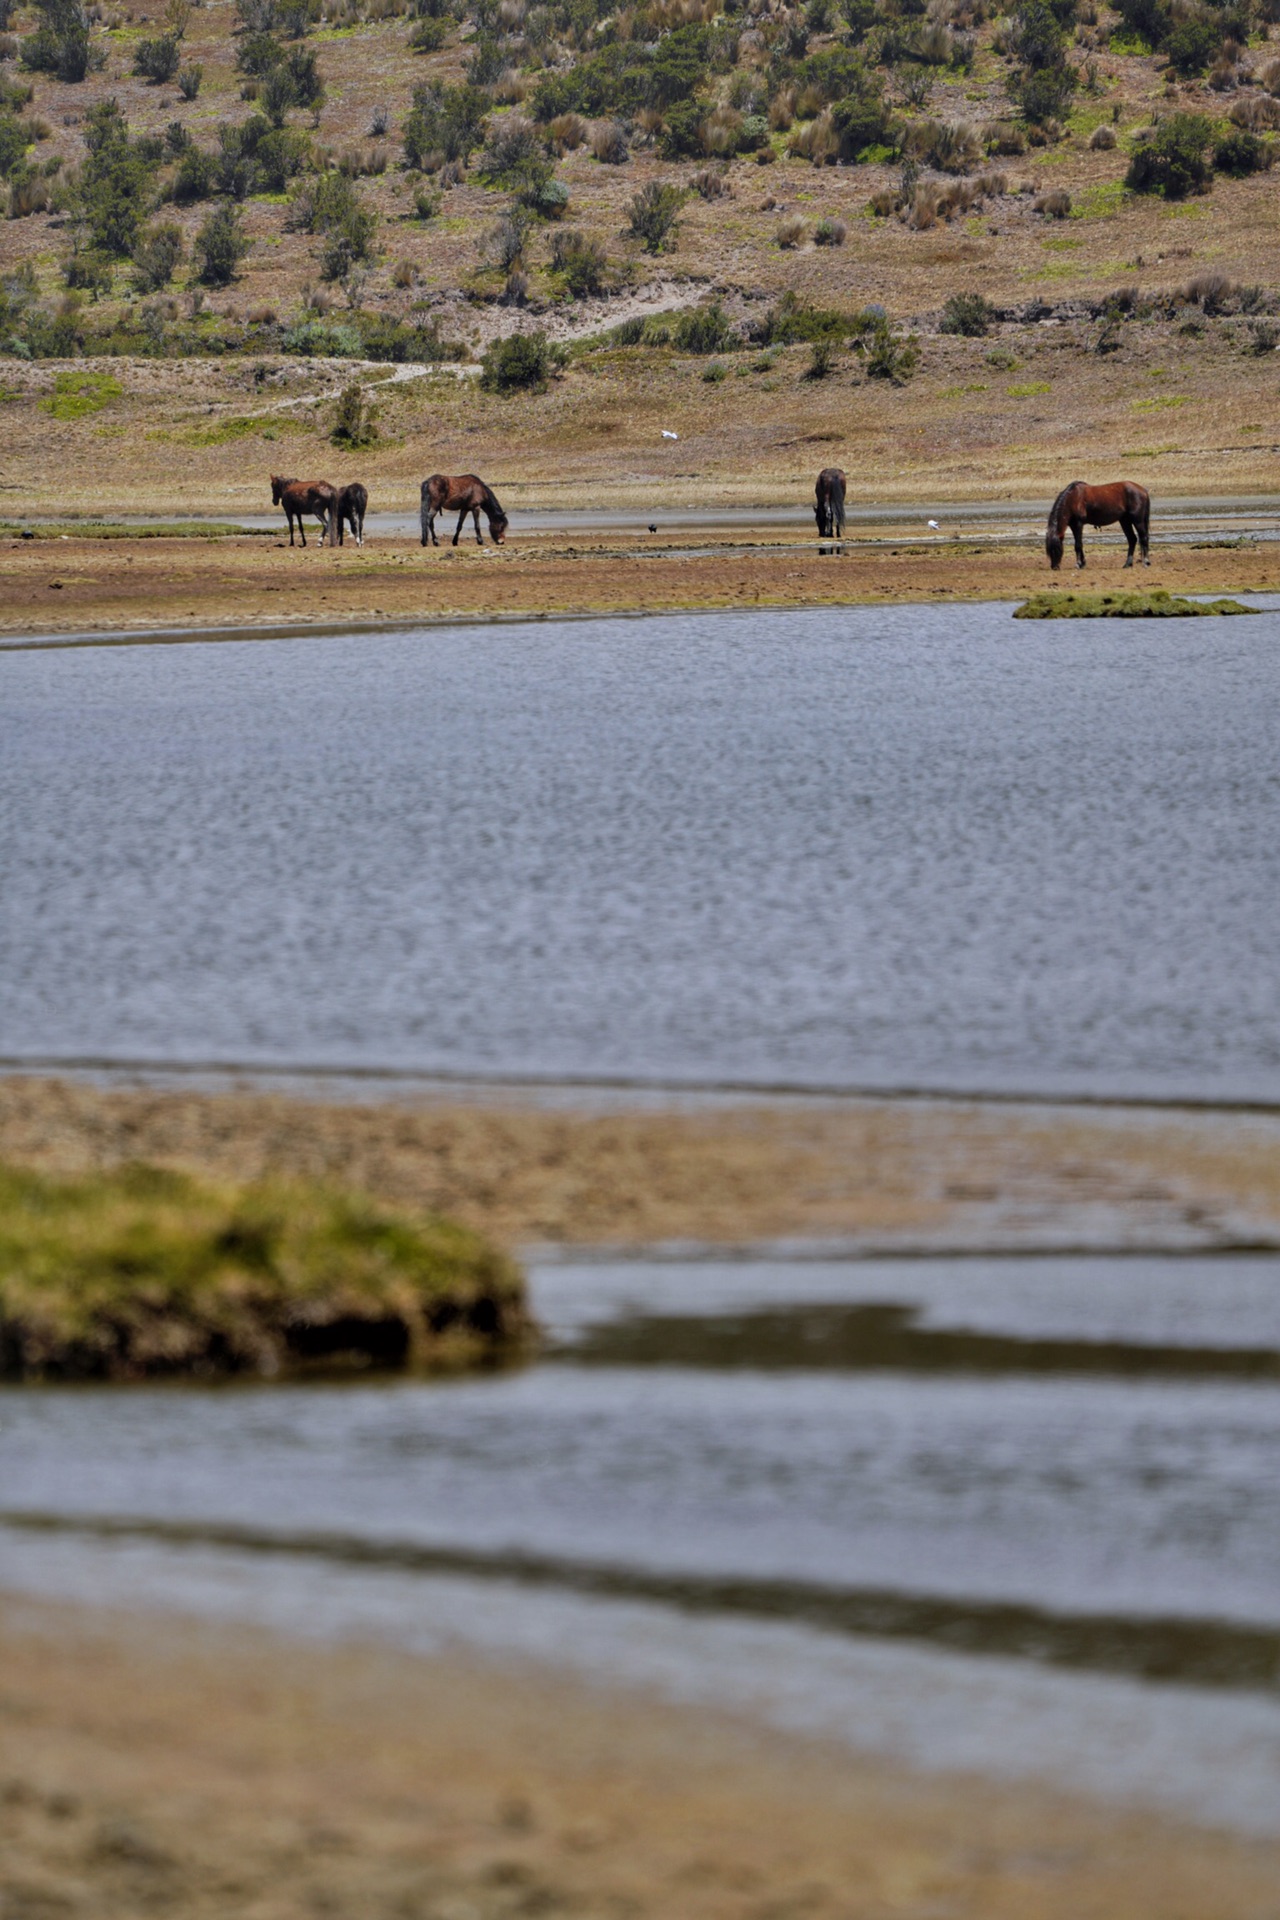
x=75, y=585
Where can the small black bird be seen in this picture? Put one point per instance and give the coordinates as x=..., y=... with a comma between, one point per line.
x=653, y=528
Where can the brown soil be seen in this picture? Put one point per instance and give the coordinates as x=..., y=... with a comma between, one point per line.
x=95, y=585
x=867, y=1172
x=159, y=1768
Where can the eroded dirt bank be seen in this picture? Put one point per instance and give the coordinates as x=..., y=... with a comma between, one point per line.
x=152, y=1766
x=87, y=585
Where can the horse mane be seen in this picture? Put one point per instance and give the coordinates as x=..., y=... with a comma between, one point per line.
x=1054, y=520
x=493, y=506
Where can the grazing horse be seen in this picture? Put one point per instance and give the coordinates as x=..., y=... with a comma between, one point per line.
x=303, y=496
x=440, y=494
x=1079, y=506
x=828, y=507
x=352, y=505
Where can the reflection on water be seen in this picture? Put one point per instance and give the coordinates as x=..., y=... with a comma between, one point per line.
x=878, y=846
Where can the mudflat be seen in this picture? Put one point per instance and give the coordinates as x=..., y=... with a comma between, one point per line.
x=94, y=585
x=155, y=1765
x=893, y=1173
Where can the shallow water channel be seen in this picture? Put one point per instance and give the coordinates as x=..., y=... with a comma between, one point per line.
x=1018, y=1515
x=877, y=847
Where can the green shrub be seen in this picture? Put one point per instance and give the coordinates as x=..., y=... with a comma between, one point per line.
x=429, y=36
x=704, y=330
x=582, y=263
x=189, y=79
x=445, y=123
x=1192, y=45
x=889, y=355
x=355, y=422
x=220, y=246
x=156, y=60
x=1175, y=160
x=716, y=373
x=15, y=138
x=1241, y=153
x=654, y=215
x=822, y=360
x=155, y=256
x=967, y=313
x=426, y=205
x=114, y=182
x=89, y=272
x=521, y=363
x=61, y=44
x=195, y=177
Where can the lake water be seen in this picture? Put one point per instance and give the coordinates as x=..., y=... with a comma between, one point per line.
x=1036, y=1533
x=883, y=847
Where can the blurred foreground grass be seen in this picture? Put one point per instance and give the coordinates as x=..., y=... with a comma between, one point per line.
x=141, y=1271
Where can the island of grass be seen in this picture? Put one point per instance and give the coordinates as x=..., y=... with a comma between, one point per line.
x=1153, y=603
x=141, y=1273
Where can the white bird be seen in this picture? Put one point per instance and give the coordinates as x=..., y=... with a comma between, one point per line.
x=668, y=435
x=935, y=525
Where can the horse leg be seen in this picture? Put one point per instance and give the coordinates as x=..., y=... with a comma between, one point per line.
x=288, y=514
x=475, y=515
x=1144, y=536
x=1126, y=527
x=462, y=518
x=1077, y=534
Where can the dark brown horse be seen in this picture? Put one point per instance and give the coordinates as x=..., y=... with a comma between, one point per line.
x=440, y=494
x=1079, y=506
x=352, y=505
x=828, y=506
x=303, y=496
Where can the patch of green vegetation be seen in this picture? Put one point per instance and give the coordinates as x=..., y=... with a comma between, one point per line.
x=1159, y=401
x=1060, y=246
x=1155, y=603
x=1029, y=390
x=1102, y=202
x=224, y=432
x=141, y=1271
x=955, y=393
x=76, y=395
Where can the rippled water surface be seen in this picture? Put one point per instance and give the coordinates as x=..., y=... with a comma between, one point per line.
x=914, y=845
x=1042, y=1533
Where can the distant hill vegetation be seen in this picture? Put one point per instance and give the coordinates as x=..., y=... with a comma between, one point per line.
x=350, y=163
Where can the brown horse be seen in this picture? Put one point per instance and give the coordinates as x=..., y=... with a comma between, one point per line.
x=352, y=505
x=828, y=507
x=1079, y=506
x=440, y=494
x=303, y=496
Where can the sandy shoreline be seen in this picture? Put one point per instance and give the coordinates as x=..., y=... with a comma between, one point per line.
x=150, y=1764
x=861, y=1175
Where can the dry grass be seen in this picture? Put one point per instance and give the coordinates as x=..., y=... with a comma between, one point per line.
x=154, y=1767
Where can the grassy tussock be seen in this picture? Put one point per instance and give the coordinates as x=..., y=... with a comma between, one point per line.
x=141, y=1271
x=1155, y=604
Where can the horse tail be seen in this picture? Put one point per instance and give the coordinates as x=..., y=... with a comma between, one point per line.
x=424, y=516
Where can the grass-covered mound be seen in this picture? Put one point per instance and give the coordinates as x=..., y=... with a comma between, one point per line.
x=141, y=1272
x=1155, y=603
